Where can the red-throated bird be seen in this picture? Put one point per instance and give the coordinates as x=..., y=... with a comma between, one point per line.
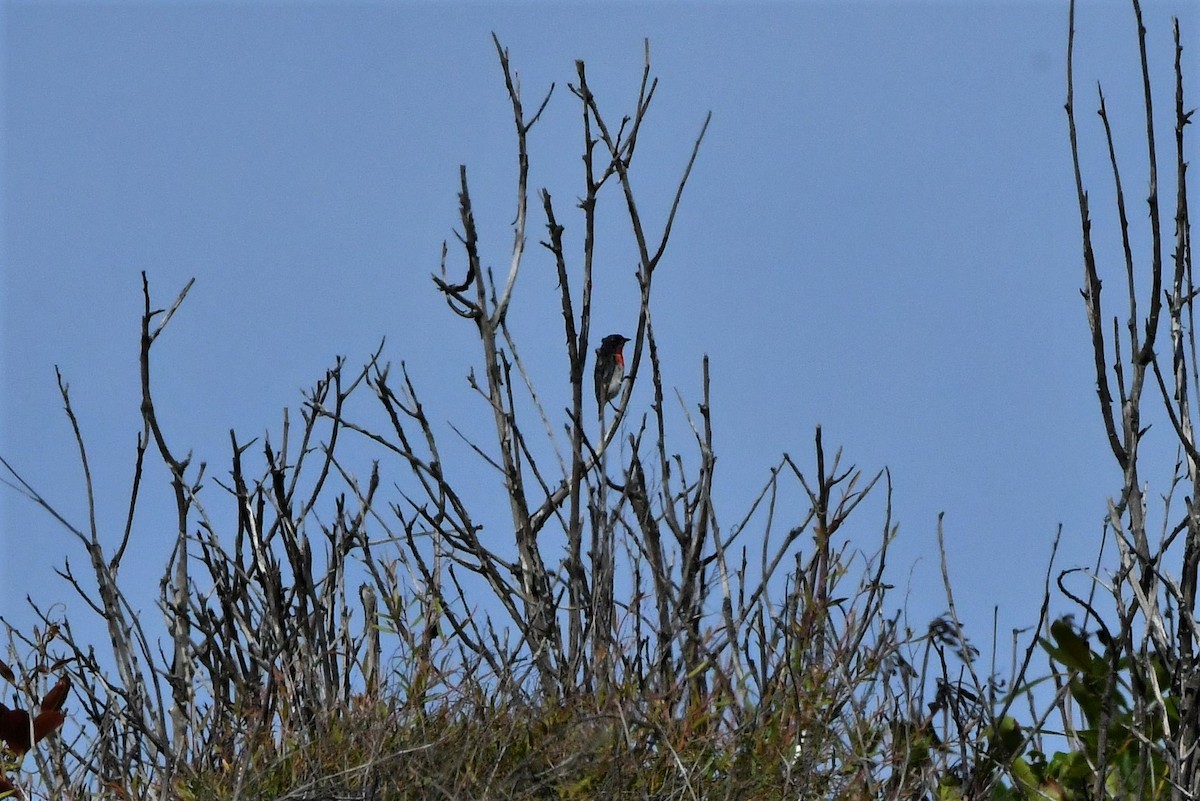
x=610, y=368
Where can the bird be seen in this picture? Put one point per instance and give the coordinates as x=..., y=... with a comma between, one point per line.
x=610, y=369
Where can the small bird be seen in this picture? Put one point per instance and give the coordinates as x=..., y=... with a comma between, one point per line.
x=610, y=369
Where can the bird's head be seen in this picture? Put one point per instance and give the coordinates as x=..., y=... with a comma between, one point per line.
x=613, y=343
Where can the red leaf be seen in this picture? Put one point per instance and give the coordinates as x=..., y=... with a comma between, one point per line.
x=53, y=700
x=14, y=729
x=47, y=722
x=8, y=786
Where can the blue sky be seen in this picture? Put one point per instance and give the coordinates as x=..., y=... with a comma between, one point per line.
x=880, y=236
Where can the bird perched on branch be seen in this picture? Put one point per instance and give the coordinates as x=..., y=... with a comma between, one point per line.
x=610, y=369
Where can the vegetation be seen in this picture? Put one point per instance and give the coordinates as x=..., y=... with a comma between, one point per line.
x=326, y=637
